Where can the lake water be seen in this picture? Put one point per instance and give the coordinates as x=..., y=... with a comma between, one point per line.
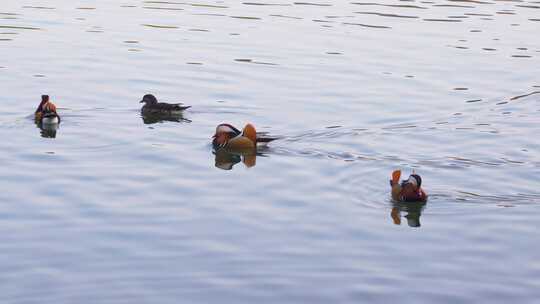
x=110, y=209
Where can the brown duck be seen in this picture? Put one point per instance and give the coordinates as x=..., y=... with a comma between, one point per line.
x=152, y=106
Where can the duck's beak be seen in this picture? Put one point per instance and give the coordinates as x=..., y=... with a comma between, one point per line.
x=141, y=101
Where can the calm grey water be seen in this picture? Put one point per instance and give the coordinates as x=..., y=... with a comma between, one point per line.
x=113, y=210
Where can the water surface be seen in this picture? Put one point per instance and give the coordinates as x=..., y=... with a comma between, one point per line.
x=114, y=208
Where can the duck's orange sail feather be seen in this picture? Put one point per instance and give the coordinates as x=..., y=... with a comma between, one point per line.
x=396, y=175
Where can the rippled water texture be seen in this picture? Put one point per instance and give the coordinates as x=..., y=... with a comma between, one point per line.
x=114, y=208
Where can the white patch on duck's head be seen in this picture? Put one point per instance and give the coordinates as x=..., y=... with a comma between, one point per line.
x=226, y=128
x=414, y=179
x=224, y=132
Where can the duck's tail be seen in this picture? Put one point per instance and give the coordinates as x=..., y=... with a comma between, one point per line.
x=180, y=107
x=265, y=138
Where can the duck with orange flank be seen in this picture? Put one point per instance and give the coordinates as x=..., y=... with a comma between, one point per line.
x=46, y=112
x=409, y=190
x=231, y=138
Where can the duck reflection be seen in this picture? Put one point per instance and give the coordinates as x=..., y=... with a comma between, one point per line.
x=226, y=159
x=149, y=119
x=413, y=212
x=47, y=130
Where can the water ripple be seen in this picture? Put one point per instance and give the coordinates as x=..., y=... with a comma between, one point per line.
x=387, y=15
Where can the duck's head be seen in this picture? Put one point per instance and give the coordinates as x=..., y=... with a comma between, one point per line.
x=44, y=100
x=46, y=106
x=149, y=99
x=224, y=132
x=412, y=184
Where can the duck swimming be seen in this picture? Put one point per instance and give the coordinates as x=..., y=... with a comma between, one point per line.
x=229, y=137
x=152, y=106
x=408, y=190
x=46, y=112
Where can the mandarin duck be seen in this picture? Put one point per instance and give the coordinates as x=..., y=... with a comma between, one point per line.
x=409, y=190
x=231, y=138
x=46, y=112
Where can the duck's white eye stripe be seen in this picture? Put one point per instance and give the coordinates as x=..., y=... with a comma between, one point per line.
x=225, y=129
x=412, y=180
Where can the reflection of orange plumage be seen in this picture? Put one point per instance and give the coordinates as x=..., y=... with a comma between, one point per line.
x=250, y=160
x=396, y=216
x=226, y=159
